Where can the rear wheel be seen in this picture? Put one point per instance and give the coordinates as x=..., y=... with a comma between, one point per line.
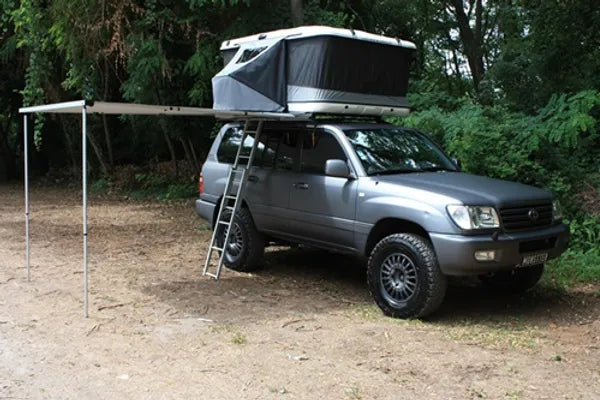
x=404, y=277
x=517, y=280
x=246, y=246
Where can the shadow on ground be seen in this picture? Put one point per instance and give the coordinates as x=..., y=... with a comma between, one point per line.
x=305, y=281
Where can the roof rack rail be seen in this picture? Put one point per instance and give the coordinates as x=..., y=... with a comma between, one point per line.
x=347, y=118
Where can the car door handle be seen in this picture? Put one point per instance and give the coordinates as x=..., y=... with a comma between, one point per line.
x=253, y=178
x=301, y=185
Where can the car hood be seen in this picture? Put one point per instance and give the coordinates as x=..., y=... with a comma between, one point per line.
x=469, y=189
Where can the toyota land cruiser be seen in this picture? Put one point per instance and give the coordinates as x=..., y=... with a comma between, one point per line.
x=390, y=196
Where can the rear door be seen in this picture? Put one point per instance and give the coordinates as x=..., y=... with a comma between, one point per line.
x=269, y=181
x=323, y=208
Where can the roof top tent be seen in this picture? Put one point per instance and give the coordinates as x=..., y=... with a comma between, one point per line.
x=314, y=69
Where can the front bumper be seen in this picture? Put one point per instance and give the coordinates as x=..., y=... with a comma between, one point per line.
x=206, y=210
x=456, y=253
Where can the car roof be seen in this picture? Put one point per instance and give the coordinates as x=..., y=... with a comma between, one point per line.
x=342, y=125
x=326, y=123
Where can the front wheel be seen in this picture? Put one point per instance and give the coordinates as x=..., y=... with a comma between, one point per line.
x=404, y=277
x=517, y=280
x=246, y=246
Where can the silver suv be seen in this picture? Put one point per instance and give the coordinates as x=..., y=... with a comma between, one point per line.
x=391, y=196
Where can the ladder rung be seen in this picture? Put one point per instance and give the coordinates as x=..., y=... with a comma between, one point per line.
x=244, y=157
x=229, y=208
x=224, y=223
x=231, y=197
x=211, y=275
x=217, y=248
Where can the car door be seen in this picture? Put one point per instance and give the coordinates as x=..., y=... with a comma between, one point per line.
x=322, y=207
x=269, y=181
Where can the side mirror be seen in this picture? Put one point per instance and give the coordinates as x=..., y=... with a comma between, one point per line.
x=337, y=168
x=456, y=162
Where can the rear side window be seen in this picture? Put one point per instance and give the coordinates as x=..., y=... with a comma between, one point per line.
x=318, y=147
x=230, y=143
x=277, y=149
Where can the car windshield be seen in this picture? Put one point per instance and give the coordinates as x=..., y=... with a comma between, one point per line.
x=397, y=150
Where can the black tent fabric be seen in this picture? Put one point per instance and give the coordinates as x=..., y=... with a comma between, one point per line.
x=280, y=74
x=266, y=74
x=348, y=65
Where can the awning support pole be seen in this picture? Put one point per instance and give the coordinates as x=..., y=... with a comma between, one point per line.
x=85, y=232
x=26, y=160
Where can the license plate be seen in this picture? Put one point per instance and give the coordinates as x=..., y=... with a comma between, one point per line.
x=534, y=259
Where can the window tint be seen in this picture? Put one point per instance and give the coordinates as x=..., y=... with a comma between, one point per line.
x=271, y=141
x=230, y=143
x=286, y=149
x=249, y=54
x=317, y=148
x=277, y=149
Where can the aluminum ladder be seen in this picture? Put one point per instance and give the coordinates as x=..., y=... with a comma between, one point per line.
x=238, y=175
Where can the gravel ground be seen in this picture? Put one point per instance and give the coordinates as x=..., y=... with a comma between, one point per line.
x=302, y=328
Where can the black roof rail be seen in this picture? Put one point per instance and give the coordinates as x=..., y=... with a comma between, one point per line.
x=347, y=118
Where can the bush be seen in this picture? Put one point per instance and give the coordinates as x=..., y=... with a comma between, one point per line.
x=152, y=181
x=574, y=266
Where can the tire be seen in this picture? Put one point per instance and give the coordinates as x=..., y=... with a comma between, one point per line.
x=246, y=245
x=404, y=277
x=517, y=280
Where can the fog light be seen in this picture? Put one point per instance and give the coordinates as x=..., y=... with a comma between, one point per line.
x=485, y=255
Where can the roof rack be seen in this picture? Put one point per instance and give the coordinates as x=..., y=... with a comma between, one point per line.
x=320, y=117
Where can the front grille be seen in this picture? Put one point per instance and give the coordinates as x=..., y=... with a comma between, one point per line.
x=520, y=218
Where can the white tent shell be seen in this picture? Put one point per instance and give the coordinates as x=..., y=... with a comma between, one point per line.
x=85, y=107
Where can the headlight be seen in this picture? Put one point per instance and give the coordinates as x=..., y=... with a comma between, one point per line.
x=556, y=211
x=474, y=217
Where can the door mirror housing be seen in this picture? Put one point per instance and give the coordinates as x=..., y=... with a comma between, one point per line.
x=337, y=168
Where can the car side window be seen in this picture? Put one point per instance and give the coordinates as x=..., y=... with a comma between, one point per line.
x=271, y=142
x=287, y=144
x=230, y=143
x=317, y=147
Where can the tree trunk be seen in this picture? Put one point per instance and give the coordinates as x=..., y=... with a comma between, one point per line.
x=196, y=162
x=69, y=143
x=471, y=43
x=165, y=131
x=6, y=155
x=188, y=153
x=98, y=151
x=297, y=14
x=111, y=160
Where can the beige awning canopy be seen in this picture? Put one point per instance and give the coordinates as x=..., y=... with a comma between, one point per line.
x=85, y=107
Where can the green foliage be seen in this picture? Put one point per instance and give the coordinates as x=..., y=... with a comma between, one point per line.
x=100, y=186
x=161, y=188
x=585, y=232
x=151, y=181
x=31, y=31
x=574, y=266
x=573, y=118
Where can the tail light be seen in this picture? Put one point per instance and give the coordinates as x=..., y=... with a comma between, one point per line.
x=201, y=184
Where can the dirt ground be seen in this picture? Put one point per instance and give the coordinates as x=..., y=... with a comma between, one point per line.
x=302, y=328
